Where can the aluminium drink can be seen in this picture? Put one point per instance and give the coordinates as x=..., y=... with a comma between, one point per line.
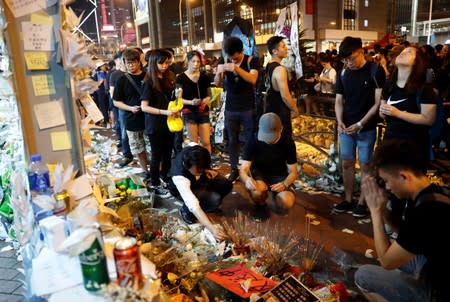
x=128, y=263
x=93, y=265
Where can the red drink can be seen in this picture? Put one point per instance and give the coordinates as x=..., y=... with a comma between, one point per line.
x=128, y=263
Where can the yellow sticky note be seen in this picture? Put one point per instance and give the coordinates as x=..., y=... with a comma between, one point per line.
x=43, y=84
x=36, y=60
x=60, y=140
x=38, y=18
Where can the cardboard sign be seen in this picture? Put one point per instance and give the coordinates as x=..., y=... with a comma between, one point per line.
x=241, y=280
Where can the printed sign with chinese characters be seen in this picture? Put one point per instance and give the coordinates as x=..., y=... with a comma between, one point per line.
x=37, y=36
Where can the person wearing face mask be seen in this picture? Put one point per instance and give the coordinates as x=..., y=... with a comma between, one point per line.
x=196, y=98
x=201, y=188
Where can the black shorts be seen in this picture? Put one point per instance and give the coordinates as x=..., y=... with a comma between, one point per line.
x=196, y=117
x=272, y=179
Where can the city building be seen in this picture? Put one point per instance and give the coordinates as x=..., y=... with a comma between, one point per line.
x=421, y=21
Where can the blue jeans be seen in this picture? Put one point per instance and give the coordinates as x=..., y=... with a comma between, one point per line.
x=233, y=122
x=116, y=126
x=123, y=135
x=364, y=141
x=402, y=284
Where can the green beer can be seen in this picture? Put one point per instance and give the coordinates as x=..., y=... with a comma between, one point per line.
x=93, y=266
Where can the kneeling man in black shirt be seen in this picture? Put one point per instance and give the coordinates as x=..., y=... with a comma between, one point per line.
x=201, y=188
x=270, y=164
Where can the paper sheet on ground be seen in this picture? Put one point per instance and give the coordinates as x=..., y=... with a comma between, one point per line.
x=47, y=276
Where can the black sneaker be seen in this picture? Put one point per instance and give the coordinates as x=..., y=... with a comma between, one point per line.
x=187, y=216
x=261, y=213
x=160, y=192
x=344, y=206
x=234, y=175
x=125, y=161
x=360, y=211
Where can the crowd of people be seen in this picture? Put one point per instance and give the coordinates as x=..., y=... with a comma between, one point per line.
x=403, y=85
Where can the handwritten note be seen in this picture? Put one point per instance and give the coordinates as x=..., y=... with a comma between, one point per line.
x=43, y=84
x=37, y=36
x=21, y=8
x=49, y=114
x=60, y=140
x=233, y=279
x=38, y=18
x=36, y=60
x=94, y=113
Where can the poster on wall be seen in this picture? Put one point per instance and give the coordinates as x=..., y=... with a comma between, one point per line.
x=141, y=9
x=21, y=8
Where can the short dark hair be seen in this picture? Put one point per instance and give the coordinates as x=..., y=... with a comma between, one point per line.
x=131, y=55
x=349, y=45
x=273, y=42
x=111, y=64
x=198, y=156
x=395, y=154
x=323, y=57
x=233, y=45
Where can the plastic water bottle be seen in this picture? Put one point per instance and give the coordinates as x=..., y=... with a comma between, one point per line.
x=38, y=175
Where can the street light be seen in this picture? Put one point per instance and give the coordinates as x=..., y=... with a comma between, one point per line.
x=127, y=24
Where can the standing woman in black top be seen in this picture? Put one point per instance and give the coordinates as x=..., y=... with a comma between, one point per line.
x=408, y=104
x=195, y=85
x=158, y=91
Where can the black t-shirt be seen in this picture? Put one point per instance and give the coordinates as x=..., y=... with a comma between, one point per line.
x=178, y=169
x=424, y=232
x=124, y=91
x=114, y=76
x=271, y=159
x=191, y=90
x=404, y=101
x=358, y=89
x=160, y=100
x=240, y=93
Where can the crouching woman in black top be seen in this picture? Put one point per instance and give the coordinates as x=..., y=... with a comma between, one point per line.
x=201, y=188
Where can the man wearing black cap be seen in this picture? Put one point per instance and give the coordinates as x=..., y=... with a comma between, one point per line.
x=270, y=164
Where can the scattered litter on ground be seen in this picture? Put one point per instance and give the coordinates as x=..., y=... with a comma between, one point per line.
x=348, y=231
x=6, y=249
x=369, y=253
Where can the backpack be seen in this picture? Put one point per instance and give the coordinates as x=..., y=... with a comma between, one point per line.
x=441, y=194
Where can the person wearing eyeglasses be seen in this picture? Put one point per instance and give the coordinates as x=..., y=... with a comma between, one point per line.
x=358, y=93
x=127, y=97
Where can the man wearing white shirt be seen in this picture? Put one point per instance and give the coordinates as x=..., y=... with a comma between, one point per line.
x=198, y=186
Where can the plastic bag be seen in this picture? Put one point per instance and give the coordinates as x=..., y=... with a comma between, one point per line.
x=175, y=124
